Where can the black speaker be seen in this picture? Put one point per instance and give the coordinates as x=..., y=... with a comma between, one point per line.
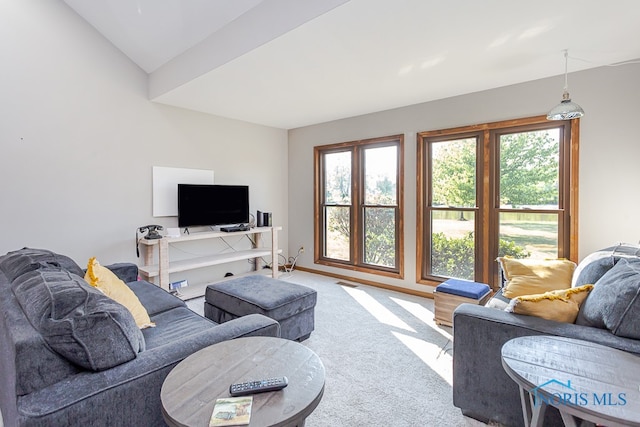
x=266, y=219
x=259, y=219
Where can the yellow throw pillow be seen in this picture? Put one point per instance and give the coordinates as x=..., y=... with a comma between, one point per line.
x=107, y=282
x=535, y=276
x=560, y=305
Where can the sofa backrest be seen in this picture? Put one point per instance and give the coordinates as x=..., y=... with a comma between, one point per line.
x=596, y=264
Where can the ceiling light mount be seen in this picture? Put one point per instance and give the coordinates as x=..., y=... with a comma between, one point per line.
x=566, y=109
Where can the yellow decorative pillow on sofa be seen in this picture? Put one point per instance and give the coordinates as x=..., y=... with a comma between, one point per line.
x=560, y=305
x=535, y=276
x=107, y=282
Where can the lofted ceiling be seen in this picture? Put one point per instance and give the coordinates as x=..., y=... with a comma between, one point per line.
x=292, y=63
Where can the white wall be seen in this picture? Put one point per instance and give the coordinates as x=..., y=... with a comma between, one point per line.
x=609, y=154
x=79, y=138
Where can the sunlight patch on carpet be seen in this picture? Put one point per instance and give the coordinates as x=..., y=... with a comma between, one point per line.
x=377, y=310
x=423, y=314
x=432, y=355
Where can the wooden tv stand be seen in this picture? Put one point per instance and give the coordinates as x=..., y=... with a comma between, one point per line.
x=158, y=273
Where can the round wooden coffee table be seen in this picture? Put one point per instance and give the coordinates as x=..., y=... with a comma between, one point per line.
x=190, y=390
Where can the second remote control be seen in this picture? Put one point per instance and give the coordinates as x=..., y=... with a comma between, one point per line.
x=259, y=386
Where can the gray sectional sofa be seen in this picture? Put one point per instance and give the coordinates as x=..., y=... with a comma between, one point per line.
x=482, y=389
x=70, y=356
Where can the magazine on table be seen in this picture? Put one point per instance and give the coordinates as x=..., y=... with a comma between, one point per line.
x=231, y=411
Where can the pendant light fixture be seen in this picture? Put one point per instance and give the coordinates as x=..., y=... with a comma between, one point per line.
x=566, y=109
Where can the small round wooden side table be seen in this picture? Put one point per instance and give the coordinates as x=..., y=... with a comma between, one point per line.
x=584, y=380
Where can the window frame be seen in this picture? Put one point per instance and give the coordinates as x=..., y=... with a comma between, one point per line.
x=358, y=207
x=487, y=195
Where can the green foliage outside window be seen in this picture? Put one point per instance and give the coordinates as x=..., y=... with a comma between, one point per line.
x=454, y=257
x=380, y=231
x=528, y=170
x=529, y=164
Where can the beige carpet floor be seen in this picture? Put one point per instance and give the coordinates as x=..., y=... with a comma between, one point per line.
x=387, y=363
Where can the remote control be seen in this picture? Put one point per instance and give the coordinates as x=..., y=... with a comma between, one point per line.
x=251, y=387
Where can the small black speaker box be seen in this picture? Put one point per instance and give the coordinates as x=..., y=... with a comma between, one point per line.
x=266, y=219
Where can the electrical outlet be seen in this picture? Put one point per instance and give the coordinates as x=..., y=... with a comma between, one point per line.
x=301, y=250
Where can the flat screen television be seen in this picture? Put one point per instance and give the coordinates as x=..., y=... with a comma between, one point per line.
x=204, y=205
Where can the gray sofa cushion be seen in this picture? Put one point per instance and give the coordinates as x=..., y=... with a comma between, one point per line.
x=592, y=268
x=614, y=302
x=179, y=324
x=76, y=320
x=33, y=365
x=16, y=263
x=126, y=271
x=155, y=299
x=594, y=265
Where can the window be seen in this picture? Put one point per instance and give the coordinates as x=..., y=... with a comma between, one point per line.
x=506, y=188
x=358, y=205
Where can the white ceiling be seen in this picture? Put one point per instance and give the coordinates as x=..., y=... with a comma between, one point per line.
x=292, y=63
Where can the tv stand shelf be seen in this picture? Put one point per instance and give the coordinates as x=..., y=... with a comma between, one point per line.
x=158, y=273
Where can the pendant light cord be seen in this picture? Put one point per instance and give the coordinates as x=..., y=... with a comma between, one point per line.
x=566, y=70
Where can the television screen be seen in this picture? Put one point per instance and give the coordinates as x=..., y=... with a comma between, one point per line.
x=202, y=205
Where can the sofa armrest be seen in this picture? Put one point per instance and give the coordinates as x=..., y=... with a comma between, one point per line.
x=255, y=325
x=126, y=271
x=481, y=387
x=252, y=325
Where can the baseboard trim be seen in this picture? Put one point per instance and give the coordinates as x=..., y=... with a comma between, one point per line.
x=367, y=282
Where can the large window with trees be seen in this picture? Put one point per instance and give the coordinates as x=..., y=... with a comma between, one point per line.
x=504, y=188
x=358, y=205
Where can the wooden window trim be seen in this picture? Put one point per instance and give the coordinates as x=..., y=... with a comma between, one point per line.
x=485, y=164
x=357, y=206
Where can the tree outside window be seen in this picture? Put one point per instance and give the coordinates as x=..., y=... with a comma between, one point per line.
x=493, y=190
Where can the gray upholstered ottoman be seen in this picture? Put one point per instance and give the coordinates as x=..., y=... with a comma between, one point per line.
x=290, y=304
